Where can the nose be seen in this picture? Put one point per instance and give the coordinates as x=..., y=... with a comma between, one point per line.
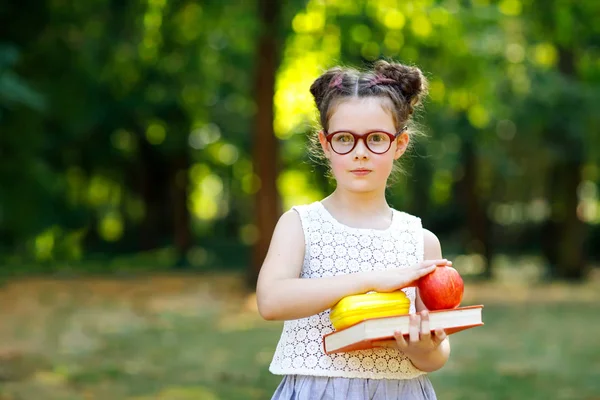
x=360, y=150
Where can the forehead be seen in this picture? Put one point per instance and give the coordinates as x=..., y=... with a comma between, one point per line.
x=362, y=114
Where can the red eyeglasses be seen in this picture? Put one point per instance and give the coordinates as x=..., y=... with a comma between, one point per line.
x=378, y=142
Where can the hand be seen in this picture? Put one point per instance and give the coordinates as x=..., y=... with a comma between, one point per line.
x=398, y=278
x=421, y=341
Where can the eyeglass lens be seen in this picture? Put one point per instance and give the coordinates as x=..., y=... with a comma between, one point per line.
x=377, y=142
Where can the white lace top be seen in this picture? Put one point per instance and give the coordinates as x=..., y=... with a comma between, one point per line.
x=332, y=248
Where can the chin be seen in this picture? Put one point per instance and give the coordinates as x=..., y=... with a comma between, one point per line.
x=361, y=187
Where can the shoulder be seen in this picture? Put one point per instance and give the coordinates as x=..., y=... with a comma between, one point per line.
x=290, y=221
x=288, y=233
x=430, y=238
x=431, y=245
x=305, y=213
x=297, y=219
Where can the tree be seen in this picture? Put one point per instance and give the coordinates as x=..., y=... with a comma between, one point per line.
x=564, y=94
x=265, y=152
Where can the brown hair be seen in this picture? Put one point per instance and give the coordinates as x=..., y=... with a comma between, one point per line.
x=403, y=85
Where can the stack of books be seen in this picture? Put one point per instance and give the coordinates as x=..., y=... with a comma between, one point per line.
x=363, y=334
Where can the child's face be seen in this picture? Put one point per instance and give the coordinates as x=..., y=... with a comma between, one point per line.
x=361, y=170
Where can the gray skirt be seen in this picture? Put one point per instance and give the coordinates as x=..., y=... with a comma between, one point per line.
x=301, y=387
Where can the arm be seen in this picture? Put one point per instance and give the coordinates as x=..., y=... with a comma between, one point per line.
x=282, y=295
x=439, y=350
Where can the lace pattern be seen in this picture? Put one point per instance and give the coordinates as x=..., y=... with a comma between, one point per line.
x=332, y=248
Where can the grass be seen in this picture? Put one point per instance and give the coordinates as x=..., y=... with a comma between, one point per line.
x=179, y=338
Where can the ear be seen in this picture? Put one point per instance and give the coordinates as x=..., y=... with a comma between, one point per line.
x=324, y=144
x=401, y=144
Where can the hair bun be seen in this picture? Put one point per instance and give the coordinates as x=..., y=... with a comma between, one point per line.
x=322, y=85
x=411, y=80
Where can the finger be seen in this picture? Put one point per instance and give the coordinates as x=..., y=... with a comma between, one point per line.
x=440, y=263
x=413, y=328
x=425, y=330
x=424, y=271
x=400, y=341
x=427, y=263
x=439, y=336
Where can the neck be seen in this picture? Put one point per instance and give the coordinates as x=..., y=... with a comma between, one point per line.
x=367, y=204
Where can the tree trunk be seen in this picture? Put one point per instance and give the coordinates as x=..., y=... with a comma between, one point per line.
x=265, y=153
x=571, y=259
x=421, y=183
x=564, y=240
x=564, y=236
x=478, y=224
x=153, y=182
x=181, y=216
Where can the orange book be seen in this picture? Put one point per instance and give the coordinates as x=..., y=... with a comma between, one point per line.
x=361, y=335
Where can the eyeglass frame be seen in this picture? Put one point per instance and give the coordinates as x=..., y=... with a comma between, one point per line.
x=363, y=137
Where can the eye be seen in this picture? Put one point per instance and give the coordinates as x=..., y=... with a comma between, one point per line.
x=343, y=137
x=378, y=138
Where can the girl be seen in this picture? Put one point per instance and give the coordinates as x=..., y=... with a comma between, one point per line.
x=352, y=242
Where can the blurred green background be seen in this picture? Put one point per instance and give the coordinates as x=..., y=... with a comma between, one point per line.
x=148, y=147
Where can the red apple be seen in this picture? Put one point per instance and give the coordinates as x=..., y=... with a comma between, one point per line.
x=442, y=289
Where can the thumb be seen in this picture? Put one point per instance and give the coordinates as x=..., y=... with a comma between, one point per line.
x=439, y=336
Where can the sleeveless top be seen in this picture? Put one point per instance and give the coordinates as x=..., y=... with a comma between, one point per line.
x=332, y=248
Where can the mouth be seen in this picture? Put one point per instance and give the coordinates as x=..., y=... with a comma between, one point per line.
x=360, y=171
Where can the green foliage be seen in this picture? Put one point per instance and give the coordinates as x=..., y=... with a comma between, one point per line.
x=109, y=112
x=13, y=90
